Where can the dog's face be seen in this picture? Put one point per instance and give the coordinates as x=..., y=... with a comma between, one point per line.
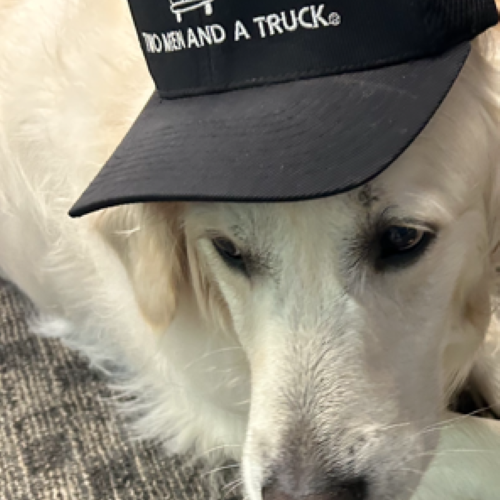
x=353, y=313
x=358, y=314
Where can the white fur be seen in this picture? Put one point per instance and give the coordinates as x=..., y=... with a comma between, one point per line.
x=312, y=346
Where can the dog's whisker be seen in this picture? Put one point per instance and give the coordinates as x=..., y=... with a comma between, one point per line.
x=409, y=469
x=220, y=469
x=236, y=482
x=215, y=449
x=448, y=423
x=242, y=403
x=438, y=453
x=234, y=485
x=206, y=355
x=395, y=426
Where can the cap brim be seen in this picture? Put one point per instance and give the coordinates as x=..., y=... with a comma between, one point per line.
x=286, y=142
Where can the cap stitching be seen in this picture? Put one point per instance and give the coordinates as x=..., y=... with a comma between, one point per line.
x=286, y=77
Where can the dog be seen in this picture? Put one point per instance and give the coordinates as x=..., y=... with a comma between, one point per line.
x=318, y=343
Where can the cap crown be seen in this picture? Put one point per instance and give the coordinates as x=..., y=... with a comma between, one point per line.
x=203, y=46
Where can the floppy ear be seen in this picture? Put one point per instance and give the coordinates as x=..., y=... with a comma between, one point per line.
x=488, y=45
x=149, y=241
x=485, y=376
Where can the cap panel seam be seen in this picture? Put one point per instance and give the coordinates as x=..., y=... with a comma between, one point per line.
x=290, y=77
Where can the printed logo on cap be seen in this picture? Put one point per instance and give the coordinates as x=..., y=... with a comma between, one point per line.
x=309, y=17
x=179, y=7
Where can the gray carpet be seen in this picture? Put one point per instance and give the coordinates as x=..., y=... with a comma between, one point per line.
x=60, y=438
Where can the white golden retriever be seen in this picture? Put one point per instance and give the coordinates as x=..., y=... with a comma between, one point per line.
x=319, y=343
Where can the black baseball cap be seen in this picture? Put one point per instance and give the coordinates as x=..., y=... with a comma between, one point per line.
x=282, y=100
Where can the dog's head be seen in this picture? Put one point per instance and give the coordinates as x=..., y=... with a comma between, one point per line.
x=359, y=314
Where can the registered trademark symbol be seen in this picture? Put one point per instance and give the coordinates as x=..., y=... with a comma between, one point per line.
x=334, y=19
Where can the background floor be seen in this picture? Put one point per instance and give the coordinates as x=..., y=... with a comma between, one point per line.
x=60, y=438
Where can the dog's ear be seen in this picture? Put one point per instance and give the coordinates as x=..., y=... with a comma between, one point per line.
x=149, y=241
x=488, y=45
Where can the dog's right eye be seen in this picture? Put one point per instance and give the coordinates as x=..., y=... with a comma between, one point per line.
x=400, y=246
x=229, y=253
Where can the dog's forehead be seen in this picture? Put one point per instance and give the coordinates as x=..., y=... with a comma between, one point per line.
x=253, y=220
x=367, y=195
x=271, y=224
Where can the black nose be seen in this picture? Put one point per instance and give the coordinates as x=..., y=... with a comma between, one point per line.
x=355, y=490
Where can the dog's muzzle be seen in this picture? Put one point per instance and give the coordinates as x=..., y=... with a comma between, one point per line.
x=353, y=490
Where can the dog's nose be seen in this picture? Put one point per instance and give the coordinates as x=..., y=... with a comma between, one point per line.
x=351, y=491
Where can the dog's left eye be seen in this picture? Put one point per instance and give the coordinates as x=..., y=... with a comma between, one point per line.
x=401, y=245
x=229, y=253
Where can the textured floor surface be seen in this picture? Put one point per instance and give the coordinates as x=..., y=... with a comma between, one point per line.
x=60, y=439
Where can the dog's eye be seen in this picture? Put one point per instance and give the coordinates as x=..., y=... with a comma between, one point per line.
x=229, y=253
x=401, y=245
